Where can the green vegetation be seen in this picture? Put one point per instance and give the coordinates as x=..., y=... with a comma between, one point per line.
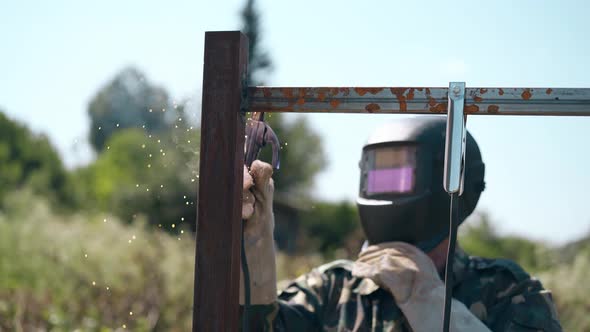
x=129, y=100
x=92, y=272
x=480, y=238
x=89, y=272
x=28, y=159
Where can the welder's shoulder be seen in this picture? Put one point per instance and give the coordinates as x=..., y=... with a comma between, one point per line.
x=322, y=277
x=520, y=300
x=337, y=266
x=500, y=268
x=501, y=278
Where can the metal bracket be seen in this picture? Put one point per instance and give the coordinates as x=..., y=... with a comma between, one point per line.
x=455, y=139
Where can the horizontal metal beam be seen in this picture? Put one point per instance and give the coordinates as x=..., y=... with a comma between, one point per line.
x=413, y=100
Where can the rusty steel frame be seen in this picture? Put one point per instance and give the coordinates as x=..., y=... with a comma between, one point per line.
x=225, y=101
x=420, y=100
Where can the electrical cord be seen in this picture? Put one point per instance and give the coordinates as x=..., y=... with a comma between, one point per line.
x=454, y=223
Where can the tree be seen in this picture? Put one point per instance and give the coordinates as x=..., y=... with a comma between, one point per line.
x=128, y=101
x=332, y=226
x=27, y=159
x=302, y=154
x=145, y=174
x=481, y=238
x=260, y=63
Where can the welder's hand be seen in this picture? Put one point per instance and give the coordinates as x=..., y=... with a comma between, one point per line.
x=411, y=277
x=257, y=199
x=398, y=267
x=247, y=195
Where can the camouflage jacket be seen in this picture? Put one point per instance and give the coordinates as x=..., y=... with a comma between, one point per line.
x=499, y=292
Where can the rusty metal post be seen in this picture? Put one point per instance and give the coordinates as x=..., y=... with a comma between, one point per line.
x=217, y=261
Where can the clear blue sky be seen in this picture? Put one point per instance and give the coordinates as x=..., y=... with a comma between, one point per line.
x=55, y=55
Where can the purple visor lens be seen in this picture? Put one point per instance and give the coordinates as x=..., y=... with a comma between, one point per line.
x=391, y=180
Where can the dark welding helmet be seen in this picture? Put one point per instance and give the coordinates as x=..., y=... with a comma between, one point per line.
x=401, y=195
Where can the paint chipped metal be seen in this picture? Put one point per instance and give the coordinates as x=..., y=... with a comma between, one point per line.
x=419, y=100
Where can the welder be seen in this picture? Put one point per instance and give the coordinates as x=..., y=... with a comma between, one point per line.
x=396, y=284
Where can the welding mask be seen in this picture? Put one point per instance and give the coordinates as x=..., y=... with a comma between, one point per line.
x=401, y=195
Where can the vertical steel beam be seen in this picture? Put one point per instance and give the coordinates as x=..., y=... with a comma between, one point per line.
x=217, y=261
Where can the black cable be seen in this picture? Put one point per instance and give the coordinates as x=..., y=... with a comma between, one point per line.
x=454, y=223
x=246, y=274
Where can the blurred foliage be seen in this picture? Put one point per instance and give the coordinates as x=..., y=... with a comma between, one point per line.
x=129, y=100
x=89, y=272
x=569, y=285
x=302, y=156
x=147, y=163
x=144, y=174
x=332, y=229
x=480, y=238
x=260, y=63
x=28, y=159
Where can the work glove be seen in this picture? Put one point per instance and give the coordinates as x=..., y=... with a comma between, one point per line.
x=257, y=199
x=411, y=277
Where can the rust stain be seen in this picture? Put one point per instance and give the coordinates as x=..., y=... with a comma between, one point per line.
x=287, y=93
x=300, y=101
x=372, y=108
x=526, y=95
x=334, y=103
x=439, y=108
x=549, y=91
x=344, y=91
x=333, y=92
x=302, y=92
x=471, y=108
x=266, y=92
x=411, y=94
x=477, y=99
x=399, y=93
x=483, y=91
x=427, y=91
x=493, y=109
x=321, y=94
x=420, y=89
x=363, y=91
x=431, y=101
x=501, y=92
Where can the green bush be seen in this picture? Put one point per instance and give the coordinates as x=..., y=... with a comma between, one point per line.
x=144, y=174
x=329, y=227
x=570, y=288
x=28, y=159
x=480, y=238
x=90, y=272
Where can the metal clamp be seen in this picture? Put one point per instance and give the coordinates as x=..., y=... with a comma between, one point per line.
x=455, y=139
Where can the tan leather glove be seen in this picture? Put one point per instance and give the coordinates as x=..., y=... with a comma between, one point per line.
x=258, y=233
x=411, y=277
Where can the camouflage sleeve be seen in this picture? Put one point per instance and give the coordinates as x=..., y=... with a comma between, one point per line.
x=304, y=305
x=521, y=303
